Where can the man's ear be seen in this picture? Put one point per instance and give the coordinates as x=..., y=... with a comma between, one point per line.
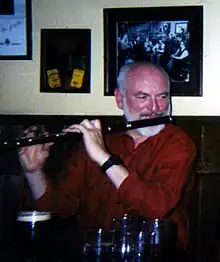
x=118, y=98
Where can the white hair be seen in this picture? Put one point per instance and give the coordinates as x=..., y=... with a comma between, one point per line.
x=122, y=76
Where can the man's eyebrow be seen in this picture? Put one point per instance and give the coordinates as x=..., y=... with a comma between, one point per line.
x=146, y=94
x=164, y=93
x=141, y=93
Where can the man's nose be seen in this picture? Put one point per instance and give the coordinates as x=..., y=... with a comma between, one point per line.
x=154, y=105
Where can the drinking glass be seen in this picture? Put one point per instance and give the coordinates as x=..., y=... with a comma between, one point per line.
x=99, y=245
x=32, y=236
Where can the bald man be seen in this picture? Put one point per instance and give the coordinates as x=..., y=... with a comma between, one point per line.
x=146, y=172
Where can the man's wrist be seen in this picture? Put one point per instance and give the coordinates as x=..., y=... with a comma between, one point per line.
x=38, y=172
x=111, y=161
x=105, y=156
x=37, y=182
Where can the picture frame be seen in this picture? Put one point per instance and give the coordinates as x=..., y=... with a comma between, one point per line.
x=65, y=60
x=140, y=33
x=179, y=26
x=16, y=32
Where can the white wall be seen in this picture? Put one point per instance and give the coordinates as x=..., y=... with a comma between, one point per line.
x=20, y=80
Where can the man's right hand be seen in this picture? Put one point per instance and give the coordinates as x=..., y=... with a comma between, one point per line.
x=33, y=157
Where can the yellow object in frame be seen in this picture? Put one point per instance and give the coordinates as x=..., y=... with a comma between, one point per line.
x=77, y=78
x=53, y=78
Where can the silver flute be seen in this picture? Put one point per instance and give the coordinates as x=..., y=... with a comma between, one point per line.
x=106, y=128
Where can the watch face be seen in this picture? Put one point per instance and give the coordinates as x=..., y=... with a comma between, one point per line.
x=13, y=31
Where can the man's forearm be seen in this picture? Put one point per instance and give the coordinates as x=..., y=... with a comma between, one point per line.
x=37, y=183
x=117, y=174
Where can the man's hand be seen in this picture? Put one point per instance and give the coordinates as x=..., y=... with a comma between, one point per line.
x=33, y=157
x=93, y=139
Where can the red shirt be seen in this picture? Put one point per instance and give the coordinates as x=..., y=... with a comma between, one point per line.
x=158, y=170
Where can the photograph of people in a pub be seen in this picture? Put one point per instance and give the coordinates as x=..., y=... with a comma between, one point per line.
x=164, y=43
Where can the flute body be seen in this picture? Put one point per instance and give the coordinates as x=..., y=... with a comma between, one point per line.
x=110, y=128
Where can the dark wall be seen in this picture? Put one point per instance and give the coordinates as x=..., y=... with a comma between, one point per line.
x=205, y=202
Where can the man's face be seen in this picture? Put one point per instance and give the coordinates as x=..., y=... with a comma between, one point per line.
x=146, y=96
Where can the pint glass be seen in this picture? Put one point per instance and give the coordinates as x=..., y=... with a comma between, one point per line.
x=32, y=235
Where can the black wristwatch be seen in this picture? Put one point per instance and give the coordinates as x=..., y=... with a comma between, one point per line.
x=113, y=160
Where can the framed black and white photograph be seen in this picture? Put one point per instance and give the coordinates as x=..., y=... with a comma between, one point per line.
x=16, y=31
x=65, y=60
x=170, y=37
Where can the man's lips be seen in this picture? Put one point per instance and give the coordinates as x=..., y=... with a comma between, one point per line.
x=150, y=116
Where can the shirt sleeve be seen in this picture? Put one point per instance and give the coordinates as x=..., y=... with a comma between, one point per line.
x=156, y=197
x=64, y=196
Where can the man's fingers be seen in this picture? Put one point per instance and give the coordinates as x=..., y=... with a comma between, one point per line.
x=30, y=130
x=85, y=126
x=22, y=150
x=47, y=146
x=96, y=123
x=73, y=128
x=88, y=124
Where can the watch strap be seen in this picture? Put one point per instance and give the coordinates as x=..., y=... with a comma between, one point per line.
x=111, y=161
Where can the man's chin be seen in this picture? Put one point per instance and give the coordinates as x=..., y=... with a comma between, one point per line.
x=151, y=130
